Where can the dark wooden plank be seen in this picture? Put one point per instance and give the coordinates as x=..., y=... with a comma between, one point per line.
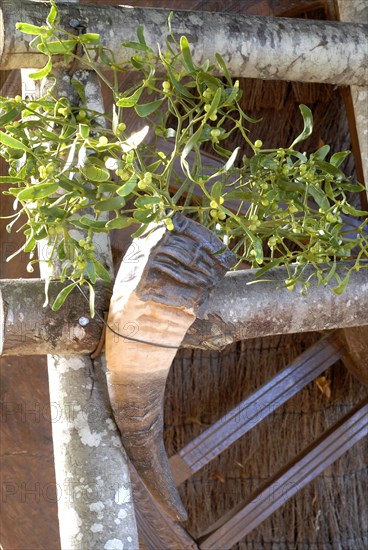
x=29, y=492
x=285, y=8
x=355, y=357
x=10, y=83
x=296, y=8
x=256, y=407
x=235, y=525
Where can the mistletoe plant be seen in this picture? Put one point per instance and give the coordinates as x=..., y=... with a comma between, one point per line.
x=70, y=165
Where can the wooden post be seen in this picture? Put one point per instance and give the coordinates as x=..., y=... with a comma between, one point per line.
x=254, y=47
x=95, y=501
x=356, y=11
x=356, y=351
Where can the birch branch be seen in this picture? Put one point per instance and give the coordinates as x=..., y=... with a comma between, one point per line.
x=254, y=47
x=95, y=503
x=234, y=311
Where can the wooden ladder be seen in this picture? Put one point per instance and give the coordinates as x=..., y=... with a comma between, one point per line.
x=158, y=531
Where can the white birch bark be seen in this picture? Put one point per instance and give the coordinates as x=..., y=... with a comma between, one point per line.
x=236, y=310
x=255, y=47
x=94, y=495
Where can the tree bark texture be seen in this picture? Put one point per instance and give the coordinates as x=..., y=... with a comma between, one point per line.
x=158, y=296
x=95, y=503
x=239, y=309
x=254, y=47
x=235, y=310
x=28, y=328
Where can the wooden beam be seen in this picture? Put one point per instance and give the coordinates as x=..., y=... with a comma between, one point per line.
x=355, y=357
x=238, y=309
x=28, y=328
x=245, y=517
x=255, y=47
x=255, y=408
x=356, y=11
x=235, y=310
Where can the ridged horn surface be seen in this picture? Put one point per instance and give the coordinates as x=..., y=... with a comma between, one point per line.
x=155, y=299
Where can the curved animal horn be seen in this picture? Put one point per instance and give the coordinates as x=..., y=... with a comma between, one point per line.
x=155, y=299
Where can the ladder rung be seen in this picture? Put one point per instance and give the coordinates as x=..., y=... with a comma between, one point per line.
x=235, y=525
x=255, y=408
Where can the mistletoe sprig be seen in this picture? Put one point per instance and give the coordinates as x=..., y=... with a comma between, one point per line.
x=70, y=165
